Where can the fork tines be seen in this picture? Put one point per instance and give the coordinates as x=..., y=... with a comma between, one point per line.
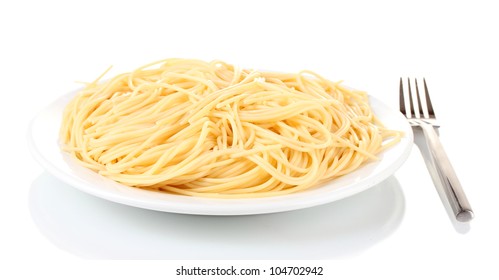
x=429, y=114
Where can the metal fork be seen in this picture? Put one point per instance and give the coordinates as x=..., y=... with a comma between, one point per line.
x=428, y=123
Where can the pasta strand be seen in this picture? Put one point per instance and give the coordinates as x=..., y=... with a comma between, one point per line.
x=197, y=128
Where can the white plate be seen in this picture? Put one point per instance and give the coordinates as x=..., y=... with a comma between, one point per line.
x=43, y=141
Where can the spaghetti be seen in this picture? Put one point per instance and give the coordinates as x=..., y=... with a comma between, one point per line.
x=210, y=129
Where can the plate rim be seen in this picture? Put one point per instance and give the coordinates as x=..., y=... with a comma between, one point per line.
x=215, y=206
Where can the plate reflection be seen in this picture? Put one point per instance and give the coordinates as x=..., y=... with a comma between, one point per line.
x=91, y=227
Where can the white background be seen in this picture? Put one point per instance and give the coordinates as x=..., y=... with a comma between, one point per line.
x=399, y=229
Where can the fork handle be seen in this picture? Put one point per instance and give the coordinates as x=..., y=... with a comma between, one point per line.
x=453, y=190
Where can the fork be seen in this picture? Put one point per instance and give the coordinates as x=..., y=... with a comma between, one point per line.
x=426, y=120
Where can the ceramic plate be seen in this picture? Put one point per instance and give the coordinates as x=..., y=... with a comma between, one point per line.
x=43, y=141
